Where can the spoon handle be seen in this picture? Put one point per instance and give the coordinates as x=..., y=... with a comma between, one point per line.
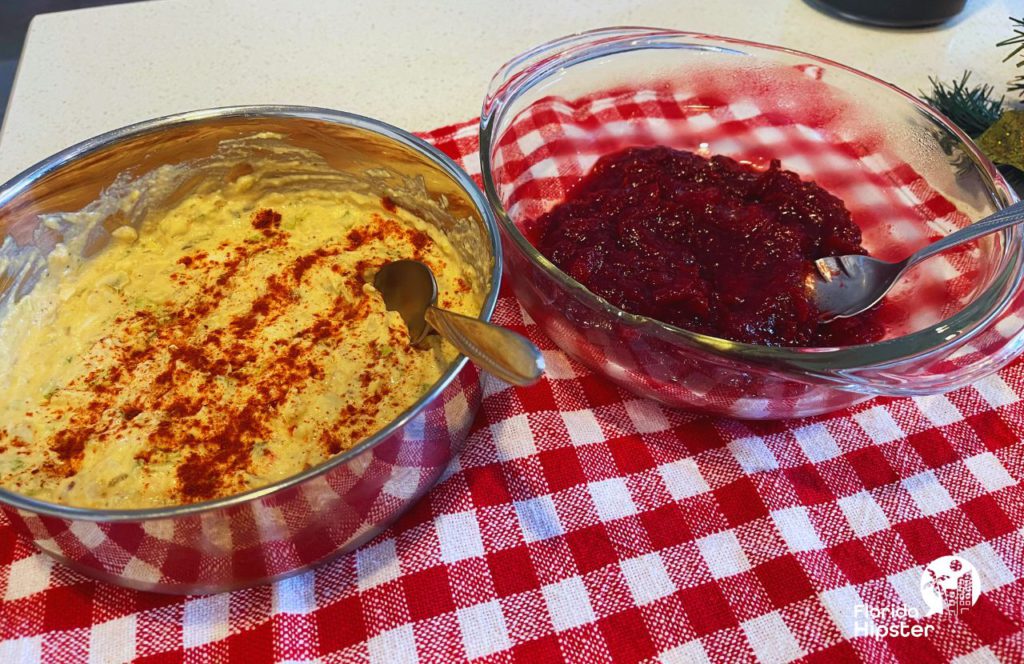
x=1008, y=216
x=501, y=352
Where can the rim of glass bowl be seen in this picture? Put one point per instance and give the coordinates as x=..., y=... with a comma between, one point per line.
x=26, y=178
x=523, y=72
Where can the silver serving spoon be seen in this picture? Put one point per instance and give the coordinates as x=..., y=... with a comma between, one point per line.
x=409, y=288
x=845, y=286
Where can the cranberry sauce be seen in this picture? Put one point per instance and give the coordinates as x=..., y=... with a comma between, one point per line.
x=709, y=245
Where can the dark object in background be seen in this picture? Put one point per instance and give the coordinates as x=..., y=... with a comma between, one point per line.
x=893, y=13
x=14, y=18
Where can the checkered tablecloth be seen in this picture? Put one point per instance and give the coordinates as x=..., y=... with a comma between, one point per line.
x=584, y=524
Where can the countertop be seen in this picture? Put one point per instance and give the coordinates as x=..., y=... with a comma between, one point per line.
x=417, y=65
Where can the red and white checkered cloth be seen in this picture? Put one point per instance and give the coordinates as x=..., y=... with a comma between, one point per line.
x=584, y=524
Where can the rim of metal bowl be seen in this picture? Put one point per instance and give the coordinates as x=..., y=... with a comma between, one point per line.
x=22, y=181
x=543, y=61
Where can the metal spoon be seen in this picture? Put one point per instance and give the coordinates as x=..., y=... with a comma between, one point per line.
x=847, y=285
x=409, y=288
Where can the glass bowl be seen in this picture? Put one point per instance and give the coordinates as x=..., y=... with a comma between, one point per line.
x=907, y=175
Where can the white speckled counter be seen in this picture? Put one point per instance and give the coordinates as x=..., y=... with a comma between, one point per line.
x=418, y=65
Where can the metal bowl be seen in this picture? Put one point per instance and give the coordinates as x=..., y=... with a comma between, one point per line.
x=288, y=526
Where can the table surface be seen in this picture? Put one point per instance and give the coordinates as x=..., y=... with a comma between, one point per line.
x=579, y=522
x=418, y=65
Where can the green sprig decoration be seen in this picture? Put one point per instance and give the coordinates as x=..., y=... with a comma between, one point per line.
x=998, y=130
x=971, y=108
x=1017, y=84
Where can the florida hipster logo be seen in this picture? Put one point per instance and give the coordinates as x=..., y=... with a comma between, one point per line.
x=949, y=586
